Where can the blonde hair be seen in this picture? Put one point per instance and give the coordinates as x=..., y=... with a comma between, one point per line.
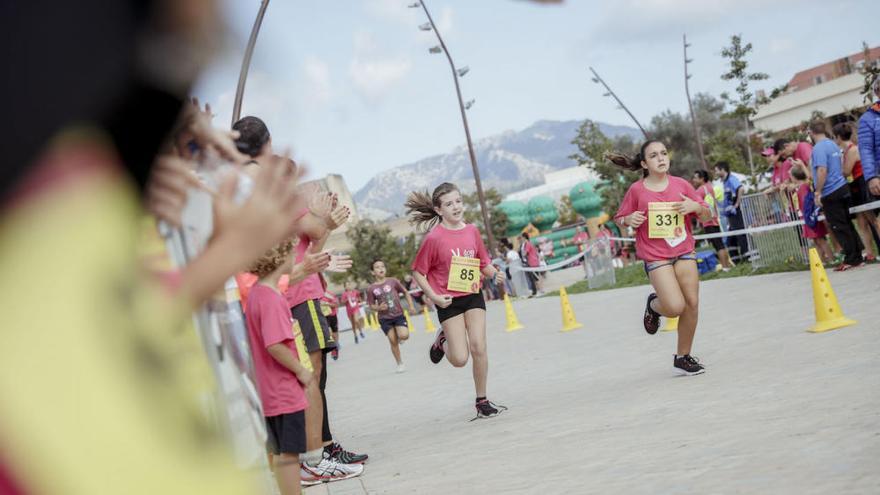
x=272, y=259
x=420, y=205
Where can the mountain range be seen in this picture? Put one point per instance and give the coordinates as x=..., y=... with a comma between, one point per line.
x=510, y=161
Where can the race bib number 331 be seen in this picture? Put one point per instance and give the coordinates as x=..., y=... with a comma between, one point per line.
x=464, y=275
x=664, y=222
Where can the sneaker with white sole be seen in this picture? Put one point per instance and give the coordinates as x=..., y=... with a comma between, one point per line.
x=329, y=470
x=687, y=365
x=401, y=368
x=307, y=477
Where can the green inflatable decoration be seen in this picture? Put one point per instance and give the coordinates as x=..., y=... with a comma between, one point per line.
x=585, y=200
x=543, y=212
x=517, y=216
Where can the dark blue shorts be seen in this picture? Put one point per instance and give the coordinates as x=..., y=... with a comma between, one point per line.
x=387, y=325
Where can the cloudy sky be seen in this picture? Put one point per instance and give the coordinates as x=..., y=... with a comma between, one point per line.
x=350, y=88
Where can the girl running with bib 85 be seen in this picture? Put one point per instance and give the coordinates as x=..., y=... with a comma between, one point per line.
x=658, y=207
x=448, y=268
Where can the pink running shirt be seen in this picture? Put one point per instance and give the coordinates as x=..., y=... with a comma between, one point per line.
x=435, y=254
x=637, y=199
x=269, y=322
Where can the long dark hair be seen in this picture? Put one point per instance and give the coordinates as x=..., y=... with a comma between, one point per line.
x=631, y=163
x=420, y=205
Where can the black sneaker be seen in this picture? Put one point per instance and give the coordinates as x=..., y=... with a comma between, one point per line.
x=652, y=318
x=687, y=365
x=335, y=452
x=437, y=351
x=488, y=409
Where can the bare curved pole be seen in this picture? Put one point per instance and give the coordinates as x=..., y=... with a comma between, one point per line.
x=622, y=106
x=687, y=93
x=246, y=62
x=483, y=209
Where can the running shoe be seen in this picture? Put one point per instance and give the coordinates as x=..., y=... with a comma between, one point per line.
x=651, y=318
x=687, y=365
x=355, y=337
x=845, y=266
x=329, y=470
x=437, y=351
x=335, y=353
x=488, y=409
x=335, y=452
x=401, y=368
x=307, y=477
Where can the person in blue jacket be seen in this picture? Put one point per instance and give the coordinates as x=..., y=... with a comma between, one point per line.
x=869, y=143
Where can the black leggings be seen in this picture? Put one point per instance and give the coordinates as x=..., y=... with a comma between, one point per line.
x=322, y=384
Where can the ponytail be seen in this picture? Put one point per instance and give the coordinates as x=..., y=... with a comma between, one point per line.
x=633, y=164
x=420, y=206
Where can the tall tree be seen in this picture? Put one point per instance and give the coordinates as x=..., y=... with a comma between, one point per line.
x=871, y=71
x=371, y=241
x=744, y=104
x=496, y=216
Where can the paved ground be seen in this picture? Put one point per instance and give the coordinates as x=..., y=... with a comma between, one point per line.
x=598, y=410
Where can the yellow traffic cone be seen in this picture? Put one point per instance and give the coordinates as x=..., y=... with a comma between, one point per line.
x=671, y=325
x=512, y=320
x=429, y=323
x=828, y=313
x=409, y=325
x=569, y=322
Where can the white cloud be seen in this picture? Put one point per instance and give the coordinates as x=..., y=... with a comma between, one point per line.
x=374, y=75
x=779, y=46
x=318, y=76
x=643, y=20
x=395, y=10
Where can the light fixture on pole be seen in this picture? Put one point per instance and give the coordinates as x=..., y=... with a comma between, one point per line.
x=425, y=27
x=598, y=80
x=469, y=104
x=462, y=107
x=464, y=70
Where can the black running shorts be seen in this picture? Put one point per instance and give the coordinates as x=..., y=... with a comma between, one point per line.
x=460, y=305
x=286, y=433
x=716, y=242
x=315, y=330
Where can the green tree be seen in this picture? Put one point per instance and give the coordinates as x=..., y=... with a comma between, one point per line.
x=567, y=215
x=744, y=104
x=496, y=216
x=871, y=71
x=592, y=145
x=371, y=241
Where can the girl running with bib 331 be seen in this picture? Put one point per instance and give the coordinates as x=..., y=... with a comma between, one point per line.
x=659, y=207
x=448, y=267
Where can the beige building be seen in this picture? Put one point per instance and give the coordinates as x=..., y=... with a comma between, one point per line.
x=833, y=88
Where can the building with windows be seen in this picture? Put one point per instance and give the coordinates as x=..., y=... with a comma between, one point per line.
x=833, y=88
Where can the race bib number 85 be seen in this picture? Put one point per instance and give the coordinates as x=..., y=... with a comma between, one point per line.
x=664, y=222
x=464, y=275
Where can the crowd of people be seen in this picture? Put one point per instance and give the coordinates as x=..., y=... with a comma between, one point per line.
x=115, y=154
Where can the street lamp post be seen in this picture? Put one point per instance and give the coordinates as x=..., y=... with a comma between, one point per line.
x=462, y=107
x=599, y=80
x=246, y=62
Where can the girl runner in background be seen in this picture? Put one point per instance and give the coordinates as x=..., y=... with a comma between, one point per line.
x=352, y=299
x=448, y=268
x=383, y=296
x=657, y=207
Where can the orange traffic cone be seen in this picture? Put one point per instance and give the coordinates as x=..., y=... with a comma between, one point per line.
x=569, y=322
x=828, y=313
x=512, y=321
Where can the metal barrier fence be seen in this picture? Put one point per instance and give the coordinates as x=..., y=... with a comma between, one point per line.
x=783, y=245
